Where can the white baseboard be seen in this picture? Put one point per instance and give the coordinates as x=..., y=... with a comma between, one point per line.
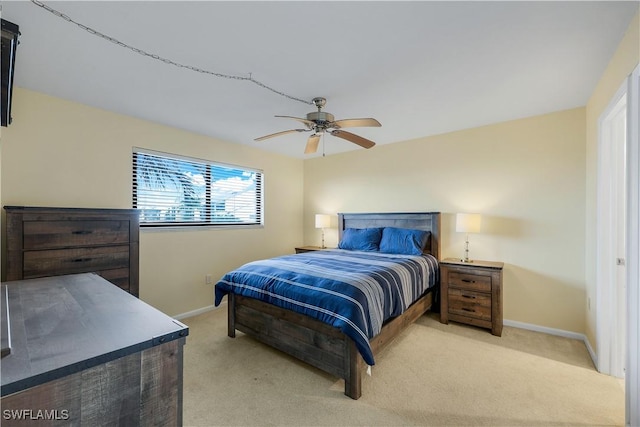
x=544, y=329
x=557, y=332
x=196, y=312
x=592, y=353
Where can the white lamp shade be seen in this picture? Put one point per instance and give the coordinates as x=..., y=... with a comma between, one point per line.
x=468, y=223
x=323, y=221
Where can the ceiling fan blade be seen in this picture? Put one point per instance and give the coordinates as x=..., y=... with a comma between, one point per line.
x=284, y=132
x=354, y=123
x=351, y=137
x=312, y=144
x=305, y=121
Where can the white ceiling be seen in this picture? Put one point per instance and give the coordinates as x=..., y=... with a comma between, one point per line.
x=420, y=68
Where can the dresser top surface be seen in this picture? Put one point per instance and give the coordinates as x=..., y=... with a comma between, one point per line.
x=29, y=209
x=63, y=324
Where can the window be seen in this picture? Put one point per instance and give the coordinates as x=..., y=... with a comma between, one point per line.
x=172, y=190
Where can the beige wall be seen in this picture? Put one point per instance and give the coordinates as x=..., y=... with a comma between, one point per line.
x=60, y=153
x=622, y=64
x=526, y=178
x=533, y=180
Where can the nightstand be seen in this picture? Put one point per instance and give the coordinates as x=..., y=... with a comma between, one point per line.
x=471, y=293
x=303, y=249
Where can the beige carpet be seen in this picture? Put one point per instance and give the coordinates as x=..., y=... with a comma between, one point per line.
x=432, y=374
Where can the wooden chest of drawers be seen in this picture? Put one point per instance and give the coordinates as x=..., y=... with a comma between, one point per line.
x=472, y=293
x=45, y=242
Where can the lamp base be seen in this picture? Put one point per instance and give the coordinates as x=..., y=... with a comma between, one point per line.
x=466, y=251
x=466, y=261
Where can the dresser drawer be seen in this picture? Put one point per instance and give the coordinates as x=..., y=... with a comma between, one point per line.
x=70, y=261
x=474, y=282
x=468, y=303
x=65, y=234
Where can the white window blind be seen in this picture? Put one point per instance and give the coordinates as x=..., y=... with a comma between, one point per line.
x=172, y=190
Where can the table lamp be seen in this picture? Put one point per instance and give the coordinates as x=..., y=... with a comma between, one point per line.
x=467, y=223
x=323, y=221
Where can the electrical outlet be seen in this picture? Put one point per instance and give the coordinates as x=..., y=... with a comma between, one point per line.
x=207, y=279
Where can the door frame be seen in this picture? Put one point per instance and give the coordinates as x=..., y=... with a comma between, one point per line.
x=632, y=377
x=608, y=341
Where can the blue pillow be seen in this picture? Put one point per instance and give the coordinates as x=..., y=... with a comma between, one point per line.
x=403, y=241
x=360, y=239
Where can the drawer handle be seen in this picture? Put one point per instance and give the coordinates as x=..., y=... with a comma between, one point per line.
x=81, y=260
x=468, y=309
x=81, y=232
x=469, y=296
x=468, y=281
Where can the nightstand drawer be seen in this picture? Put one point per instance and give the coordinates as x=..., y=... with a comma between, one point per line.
x=474, y=282
x=468, y=303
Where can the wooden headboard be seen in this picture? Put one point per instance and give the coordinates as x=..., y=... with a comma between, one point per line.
x=428, y=221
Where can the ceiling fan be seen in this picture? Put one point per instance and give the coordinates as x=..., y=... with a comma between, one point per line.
x=320, y=122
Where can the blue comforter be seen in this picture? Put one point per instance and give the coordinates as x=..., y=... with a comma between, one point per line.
x=355, y=292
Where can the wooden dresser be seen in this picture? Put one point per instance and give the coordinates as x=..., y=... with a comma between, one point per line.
x=44, y=242
x=82, y=352
x=472, y=293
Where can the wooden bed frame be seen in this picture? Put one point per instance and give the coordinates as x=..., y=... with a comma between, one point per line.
x=317, y=343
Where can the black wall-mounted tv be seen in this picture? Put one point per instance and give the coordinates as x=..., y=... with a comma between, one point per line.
x=10, y=35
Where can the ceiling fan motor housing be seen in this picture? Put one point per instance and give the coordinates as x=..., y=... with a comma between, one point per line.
x=320, y=117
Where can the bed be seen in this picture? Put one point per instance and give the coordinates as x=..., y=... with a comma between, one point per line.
x=324, y=337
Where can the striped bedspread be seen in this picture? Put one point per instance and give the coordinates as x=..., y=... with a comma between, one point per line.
x=355, y=292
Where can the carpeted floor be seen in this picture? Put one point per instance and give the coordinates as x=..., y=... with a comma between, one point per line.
x=432, y=374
